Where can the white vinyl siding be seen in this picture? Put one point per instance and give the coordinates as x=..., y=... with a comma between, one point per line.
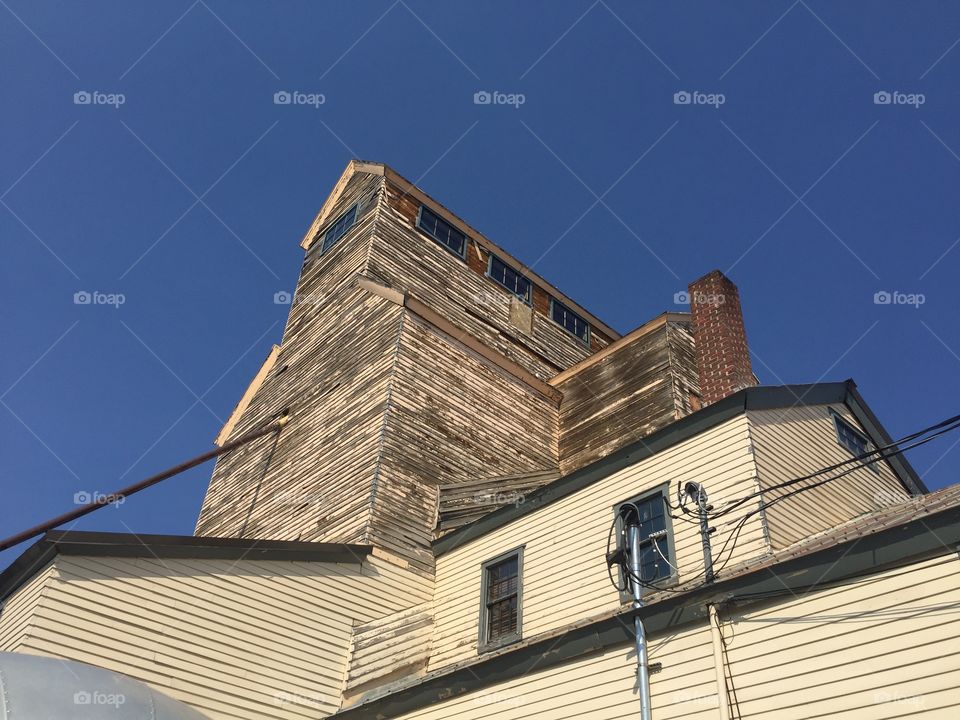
x=16, y=613
x=795, y=442
x=887, y=646
x=248, y=639
x=565, y=574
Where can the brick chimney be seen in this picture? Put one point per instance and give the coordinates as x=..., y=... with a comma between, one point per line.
x=723, y=356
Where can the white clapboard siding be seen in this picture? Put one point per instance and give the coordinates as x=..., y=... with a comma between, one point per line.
x=795, y=442
x=16, y=613
x=565, y=575
x=885, y=646
x=600, y=687
x=247, y=639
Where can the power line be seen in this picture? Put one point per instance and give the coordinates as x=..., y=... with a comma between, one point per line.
x=103, y=500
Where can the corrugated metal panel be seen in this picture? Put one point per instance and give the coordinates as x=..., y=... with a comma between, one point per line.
x=565, y=575
x=795, y=442
x=883, y=647
x=233, y=639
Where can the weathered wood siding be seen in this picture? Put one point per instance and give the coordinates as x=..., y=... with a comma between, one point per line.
x=451, y=417
x=600, y=687
x=565, y=573
x=315, y=480
x=394, y=645
x=795, y=442
x=885, y=646
x=638, y=388
x=683, y=364
x=468, y=501
x=17, y=611
x=247, y=639
x=406, y=258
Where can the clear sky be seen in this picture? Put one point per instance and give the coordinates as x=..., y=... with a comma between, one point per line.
x=182, y=186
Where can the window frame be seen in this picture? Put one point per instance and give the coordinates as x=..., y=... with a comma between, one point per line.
x=322, y=236
x=466, y=238
x=663, y=492
x=484, y=644
x=528, y=299
x=587, y=336
x=839, y=420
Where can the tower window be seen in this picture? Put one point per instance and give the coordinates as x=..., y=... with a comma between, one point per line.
x=571, y=322
x=442, y=231
x=339, y=229
x=657, y=554
x=502, y=595
x=852, y=439
x=509, y=278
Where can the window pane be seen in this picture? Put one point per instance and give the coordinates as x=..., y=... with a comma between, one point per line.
x=442, y=231
x=503, y=618
x=339, y=228
x=509, y=278
x=570, y=320
x=502, y=579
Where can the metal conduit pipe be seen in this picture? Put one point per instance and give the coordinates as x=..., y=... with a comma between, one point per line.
x=643, y=666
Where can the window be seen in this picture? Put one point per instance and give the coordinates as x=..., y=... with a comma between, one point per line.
x=509, y=278
x=338, y=229
x=441, y=231
x=656, y=537
x=501, y=591
x=570, y=321
x=852, y=439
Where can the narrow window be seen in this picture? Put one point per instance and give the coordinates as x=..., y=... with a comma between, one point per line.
x=500, y=611
x=853, y=440
x=570, y=321
x=441, y=231
x=339, y=229
x=509, y=278
x=649, y=512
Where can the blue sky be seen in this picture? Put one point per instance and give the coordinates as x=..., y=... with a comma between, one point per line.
x=190, y=197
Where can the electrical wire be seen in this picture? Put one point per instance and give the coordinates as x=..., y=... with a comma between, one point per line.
x=889, y=450
x=738, y=528
x=858, y=461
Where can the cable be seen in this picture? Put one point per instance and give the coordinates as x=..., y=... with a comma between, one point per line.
x=860, y=460
x=763, y=506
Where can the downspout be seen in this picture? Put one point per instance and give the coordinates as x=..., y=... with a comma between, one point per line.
x=719, y=665
x=643, y=667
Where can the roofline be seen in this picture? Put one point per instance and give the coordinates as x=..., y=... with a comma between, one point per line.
x=753, y=398
x=375, y=168
x=647, y=327
x=128, y=545
x=894, y=547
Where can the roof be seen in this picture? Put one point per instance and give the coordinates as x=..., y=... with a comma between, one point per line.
x=377, y=168
x=34, y=686
x=129, y=545
x=886, y=539
x=753, y=398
